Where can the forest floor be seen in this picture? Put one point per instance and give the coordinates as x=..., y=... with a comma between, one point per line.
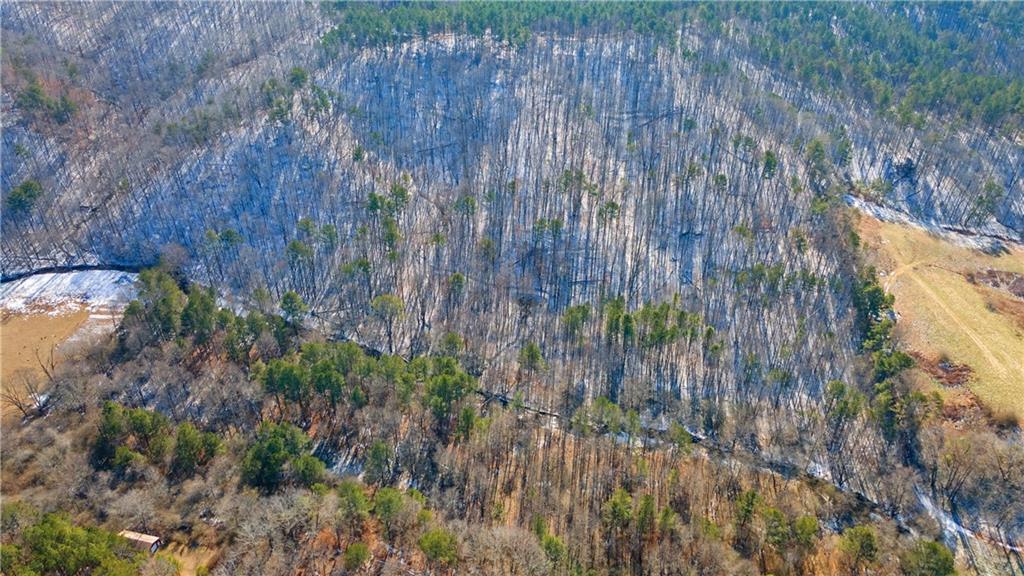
x=191, y=559
x=959, y=310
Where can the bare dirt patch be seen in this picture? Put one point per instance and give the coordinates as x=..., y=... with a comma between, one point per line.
x=1000, y=279
x=943, y=370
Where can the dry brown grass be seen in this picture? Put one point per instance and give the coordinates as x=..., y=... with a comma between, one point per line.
x=942, y=312
x=27, y=339
x=190, y=559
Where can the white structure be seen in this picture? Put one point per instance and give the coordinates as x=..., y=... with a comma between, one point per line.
x=142, y=541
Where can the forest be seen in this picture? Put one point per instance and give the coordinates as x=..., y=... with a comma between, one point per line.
x=509, y=287
x=246, y=468
x=900, y=65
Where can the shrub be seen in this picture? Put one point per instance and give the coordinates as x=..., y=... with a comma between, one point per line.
x=159, y=307
x=308, y=470
x=56, y=546
x=447, y=385
x=355, y=556
x=275, y=446
x=378, y=462
x=927, y=558
x=35, y=100
x=293, y=307
x=456, y=282
x=439, y=546
x=451, y=344
x=198, y=319
x=298, y=77
x=805, y=531
x=777, y=530
x=530, y=357
x=553, y=547
x=575, y=317
x=352, y=504
x=746, y=504
x=129, y=435
x=860, y=544
x=617, y=511
x=193, y=450
x=387, y=306
x=23, y=198
x=681, y=438
x=387, y=506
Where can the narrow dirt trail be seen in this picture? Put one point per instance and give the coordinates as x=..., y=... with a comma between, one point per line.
x=902, y=269
x=987, y=352
x=943, y=313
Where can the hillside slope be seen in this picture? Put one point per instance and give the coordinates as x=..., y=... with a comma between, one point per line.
x=637, y=205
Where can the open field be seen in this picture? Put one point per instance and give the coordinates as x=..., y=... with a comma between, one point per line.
x=28, y=339
x=956, y=307
x=50, y=316
x=33, y=340
x=24, y=336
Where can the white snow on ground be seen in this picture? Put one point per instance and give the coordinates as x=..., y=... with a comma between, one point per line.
x=983, y=241
x=97, y=325
x=954, y=529
x=60, y=293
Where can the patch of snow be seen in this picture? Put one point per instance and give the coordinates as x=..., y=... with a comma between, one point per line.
x=818, y=471
x=953, y=529
x=59, y=293
x=950, y=527
x=95, y=326
x=989, y=239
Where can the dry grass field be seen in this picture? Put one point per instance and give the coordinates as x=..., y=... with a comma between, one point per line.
x=27, y=339
x=959, y=309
